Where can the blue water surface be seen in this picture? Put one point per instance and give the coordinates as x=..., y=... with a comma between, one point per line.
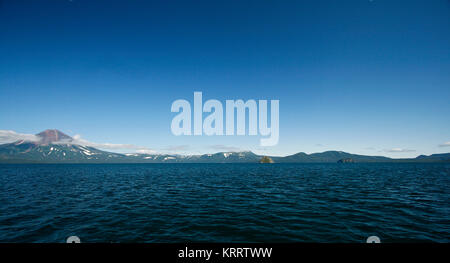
x=225, y=202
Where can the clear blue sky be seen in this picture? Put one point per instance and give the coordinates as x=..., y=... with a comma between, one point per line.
x=358, y=76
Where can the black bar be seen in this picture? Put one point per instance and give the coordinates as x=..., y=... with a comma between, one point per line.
x=295, y=252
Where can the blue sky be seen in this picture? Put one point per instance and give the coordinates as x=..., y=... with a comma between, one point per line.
x=368, y=77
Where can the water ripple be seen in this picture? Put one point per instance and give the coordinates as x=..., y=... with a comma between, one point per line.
x=225, y=202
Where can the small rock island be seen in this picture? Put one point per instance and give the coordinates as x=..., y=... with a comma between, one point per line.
x=346, y=160
x=266, y=159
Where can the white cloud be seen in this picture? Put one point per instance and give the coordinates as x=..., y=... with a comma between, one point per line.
x=399, y=150
x=7, y=136
x=445, y=144
x=109, y=146
x=221, y=147
x=176, y=148
x=145, y=151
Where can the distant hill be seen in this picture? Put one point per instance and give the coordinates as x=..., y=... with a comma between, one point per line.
x=54, y=146
x=440, y=157
x=329, y=157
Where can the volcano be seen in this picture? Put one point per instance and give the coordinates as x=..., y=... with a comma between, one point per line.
x=53, y=136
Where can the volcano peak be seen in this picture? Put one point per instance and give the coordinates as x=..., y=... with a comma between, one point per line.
x=53, y=135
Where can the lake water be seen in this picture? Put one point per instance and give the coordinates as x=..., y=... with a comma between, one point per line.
x=225, y=202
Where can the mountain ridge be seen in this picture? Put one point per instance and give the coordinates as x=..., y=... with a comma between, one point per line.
x=54, y=146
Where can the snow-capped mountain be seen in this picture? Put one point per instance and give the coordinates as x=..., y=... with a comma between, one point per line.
x=53, y=146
